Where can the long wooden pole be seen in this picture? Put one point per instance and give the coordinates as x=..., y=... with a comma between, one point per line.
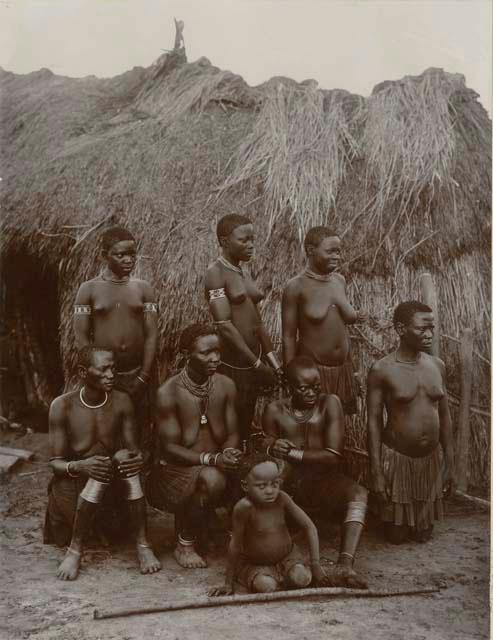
x=463, y=432
x=296, y=594
x=429, y=295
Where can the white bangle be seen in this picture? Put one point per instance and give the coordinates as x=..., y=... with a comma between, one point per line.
x=296, y=454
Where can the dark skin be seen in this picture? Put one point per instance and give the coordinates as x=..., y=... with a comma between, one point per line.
x=323, y=429
x=117, y=318
x=76, y=429
x=411, y=385
x=182, y=437
x=260, y=532
x=244, y=335
x=315, y=313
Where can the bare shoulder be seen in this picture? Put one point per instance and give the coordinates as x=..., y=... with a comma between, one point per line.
x=331, y=404
x=85, y=291
x=276, y=407
x=224, y=382
x=122, y=401
x=338, y=277
x=243, y=507
x=293, y=285
x=284, y=499
x=434, y=361
x=143, y=286
x=214, y=276
x=381, y=367
x=60, y=404
x=166, y=393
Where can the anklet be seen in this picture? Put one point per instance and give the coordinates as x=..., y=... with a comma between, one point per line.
x=146, y=546
x=348, y=555
x=77, y=553
x=185, y=543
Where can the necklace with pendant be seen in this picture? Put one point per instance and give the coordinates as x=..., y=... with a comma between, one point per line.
x=200, y=391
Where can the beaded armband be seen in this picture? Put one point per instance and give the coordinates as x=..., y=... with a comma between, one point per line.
x=82, y=310
x=150, y=307
x=215, y=294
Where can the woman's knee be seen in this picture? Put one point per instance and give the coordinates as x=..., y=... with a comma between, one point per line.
x=299, y=576
x=264, y=584
x=212, y=482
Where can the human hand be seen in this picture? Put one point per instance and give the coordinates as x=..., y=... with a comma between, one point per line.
x=230, y=458
x=380, y=486
x=132, y=465
x=281, y=448
x=449, y=482
x=361, y=315
x=97, y=467
x=224, y=590
x=266, y=376
x=319, y=577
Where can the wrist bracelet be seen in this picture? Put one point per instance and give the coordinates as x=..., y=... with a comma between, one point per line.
x=146, y=376
x=67, y=469
x=272, y=358
x=296, y=454
x=142, y=380
x=257, y=363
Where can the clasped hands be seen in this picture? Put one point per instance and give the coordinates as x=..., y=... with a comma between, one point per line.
x=101, y=468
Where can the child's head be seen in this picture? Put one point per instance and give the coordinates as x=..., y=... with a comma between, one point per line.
x=261, y=478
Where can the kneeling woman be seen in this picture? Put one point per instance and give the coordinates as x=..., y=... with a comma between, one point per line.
x=233, y=299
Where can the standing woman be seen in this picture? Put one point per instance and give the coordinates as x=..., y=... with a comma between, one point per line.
x=233, y=297
x=119, y=312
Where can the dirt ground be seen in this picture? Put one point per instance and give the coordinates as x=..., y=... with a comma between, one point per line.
x=34, y=604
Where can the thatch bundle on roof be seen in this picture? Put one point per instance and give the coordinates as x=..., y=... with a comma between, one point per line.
x=404, y=175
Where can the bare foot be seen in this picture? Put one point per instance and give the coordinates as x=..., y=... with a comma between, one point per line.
x=147, y=560
x=342, y=576
x=69, y=567
x=188, y=558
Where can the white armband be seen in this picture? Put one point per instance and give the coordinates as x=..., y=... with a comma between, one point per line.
x=82, y=310
x=150, y=307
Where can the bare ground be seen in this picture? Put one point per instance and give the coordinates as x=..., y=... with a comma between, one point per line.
x=37, y=605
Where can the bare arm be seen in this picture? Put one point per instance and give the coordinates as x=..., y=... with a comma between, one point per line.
x=230, y=416
x=289, y=312
x=220, y=309
x=348, y=312
x=273, y=443
x=129, y=436
x=97, y=467
x=446, y=433
x=333, y=437
x=304, y=522
x=375, y=404
x=150, y=332
x=241, y=514
x=82, y=321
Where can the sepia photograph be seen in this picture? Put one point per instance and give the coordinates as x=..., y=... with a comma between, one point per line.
x=245, y=319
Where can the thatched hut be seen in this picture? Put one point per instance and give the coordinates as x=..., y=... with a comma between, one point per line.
x=405, y=176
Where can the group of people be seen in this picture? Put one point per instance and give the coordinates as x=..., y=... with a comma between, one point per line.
x=193, y=444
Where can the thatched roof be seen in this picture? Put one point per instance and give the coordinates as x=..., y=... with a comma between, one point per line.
x=405, y=175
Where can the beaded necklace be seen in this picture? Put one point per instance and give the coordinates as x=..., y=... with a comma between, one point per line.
x=200, y=391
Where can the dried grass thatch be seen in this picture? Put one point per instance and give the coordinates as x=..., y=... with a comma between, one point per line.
x=405, y=175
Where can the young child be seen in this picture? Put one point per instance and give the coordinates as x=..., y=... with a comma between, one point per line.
x=262, y=555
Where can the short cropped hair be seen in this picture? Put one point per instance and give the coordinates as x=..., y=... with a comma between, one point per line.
x=252, y=460
x=227, y=224
x=315, y=235
x=405, y=311
x=85, y=355
x=113, y=235
x=190, y=334
x=297, y=363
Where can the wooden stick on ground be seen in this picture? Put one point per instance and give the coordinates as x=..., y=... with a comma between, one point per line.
x=296, y=594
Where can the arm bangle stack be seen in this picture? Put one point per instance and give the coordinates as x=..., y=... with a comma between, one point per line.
x=272, y=358
x=296, y=454
x=209, y=459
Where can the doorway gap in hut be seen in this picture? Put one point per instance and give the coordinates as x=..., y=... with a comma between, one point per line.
x=30, y=359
